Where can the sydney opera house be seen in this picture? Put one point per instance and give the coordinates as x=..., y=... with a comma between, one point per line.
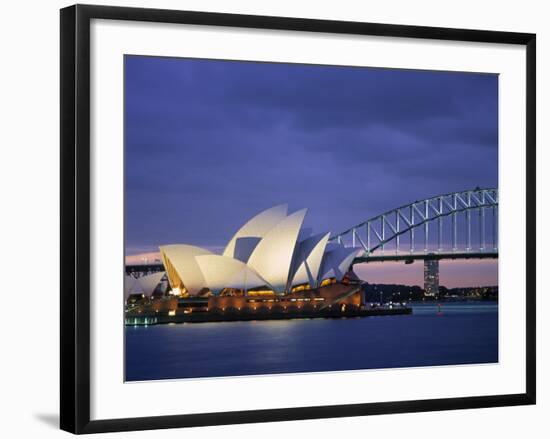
x=271, y=252
x=272, y=266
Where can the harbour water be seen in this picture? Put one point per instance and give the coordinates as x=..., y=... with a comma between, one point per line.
x=457, y=333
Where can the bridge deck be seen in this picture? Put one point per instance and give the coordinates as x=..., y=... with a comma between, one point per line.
x=424, y=256
x=151, y=268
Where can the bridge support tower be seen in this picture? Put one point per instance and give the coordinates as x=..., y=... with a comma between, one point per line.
x=431, y=277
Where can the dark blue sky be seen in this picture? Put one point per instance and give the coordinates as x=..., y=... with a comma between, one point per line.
x=211, y=143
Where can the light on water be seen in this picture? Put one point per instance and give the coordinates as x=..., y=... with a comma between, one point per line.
x=461, y=333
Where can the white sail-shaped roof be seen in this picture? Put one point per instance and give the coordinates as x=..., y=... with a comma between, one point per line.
x=337, y=262
x=271, y=250
x=272, y=257
x=150, y=282
x=131, y=286
x=256, y=227
x=224, y=272
x=309, y=256
x=182, y=259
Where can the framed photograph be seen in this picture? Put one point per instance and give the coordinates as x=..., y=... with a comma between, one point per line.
x=268, y=219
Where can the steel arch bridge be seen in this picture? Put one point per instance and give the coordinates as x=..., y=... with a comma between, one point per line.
x=470, y=212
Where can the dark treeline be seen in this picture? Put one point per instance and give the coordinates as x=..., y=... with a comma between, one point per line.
x=400, y=293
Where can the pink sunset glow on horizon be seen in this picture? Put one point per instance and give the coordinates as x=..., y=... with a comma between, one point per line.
x=453, y=274
x=142, y=258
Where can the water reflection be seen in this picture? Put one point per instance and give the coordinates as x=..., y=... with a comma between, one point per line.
x=457, y=334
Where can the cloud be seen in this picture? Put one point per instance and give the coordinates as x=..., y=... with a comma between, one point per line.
x=211, y=143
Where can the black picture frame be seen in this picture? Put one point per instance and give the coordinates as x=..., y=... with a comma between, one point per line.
x=75, y=217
